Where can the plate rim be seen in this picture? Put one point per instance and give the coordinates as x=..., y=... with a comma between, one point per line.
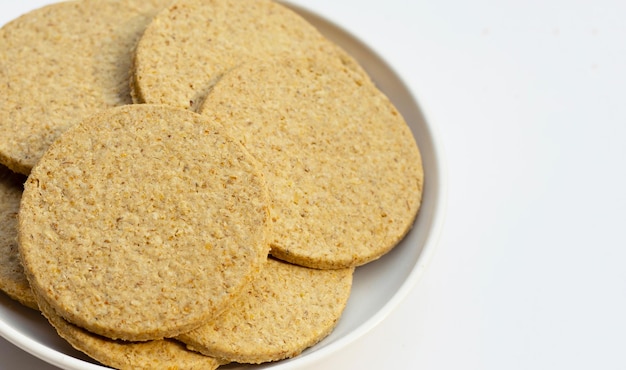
x=434, y=231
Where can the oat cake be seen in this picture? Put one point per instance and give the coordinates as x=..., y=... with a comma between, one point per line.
x=142, y=222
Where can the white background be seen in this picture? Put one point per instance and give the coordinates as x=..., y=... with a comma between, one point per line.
x=529, y=100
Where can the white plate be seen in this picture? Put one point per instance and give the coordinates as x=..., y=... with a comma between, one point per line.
x=378, y=287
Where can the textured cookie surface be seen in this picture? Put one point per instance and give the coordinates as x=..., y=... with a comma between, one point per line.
x=12, y=279
x=156, y=354
x=142, y=221
x=189, y=46
x=342, y=167
x=285, y=310
x=59, y=64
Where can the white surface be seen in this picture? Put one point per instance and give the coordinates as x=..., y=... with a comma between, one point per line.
x=528, y=98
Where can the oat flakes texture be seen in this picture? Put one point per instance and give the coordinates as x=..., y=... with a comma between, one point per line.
x=142, y=221
x=285, y=310
x=343, y=169
x=12, y=279
x=59, y=64
x=151, y=355
x=189, y=46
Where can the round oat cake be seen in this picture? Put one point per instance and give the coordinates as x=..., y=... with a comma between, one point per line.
x=286, y=309
x=142, y=222
x=342, y=166
x=12, y=279
x=59, y=64
x=163, y=354
x=190, y=45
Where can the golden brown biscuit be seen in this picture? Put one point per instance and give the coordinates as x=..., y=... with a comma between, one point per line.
x=61, y=63
x=286, y=309
x=189, y=46
x=163, y=354
x=12, y=279
x=142, y=221
x=343, y=169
